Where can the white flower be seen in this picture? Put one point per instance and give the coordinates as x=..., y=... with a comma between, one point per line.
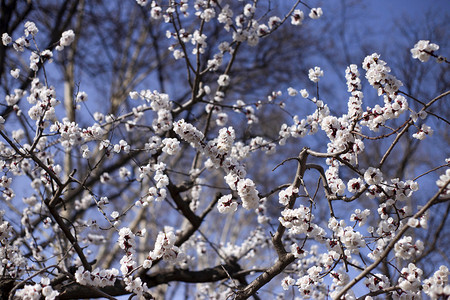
x=373, y=176
x=287, y=282
x=297, y=17
x=355, y=185
x=296, y=220
x=297, y=251
x=314, y=74
x=249, y=10
x=115, y=214
x=410, y=281
x=274, y=22
x=122, y=146
x=15, y=73
x=422, y=50
x=171, y=146
x=315, y=13
x=360, y=216
x=142, y=2
x=405, y=249
x=126, y=239
x=178, y=54
x=18, y=134
x=134, y=95
x=30, y=28
x=285, y=195
x=6, y=39
x=225, y=140
x=156, y=12
x=437, y=285
x=155, y=195
x=350, y=238
x=161, y=180
x=96, y=278
x=188, y=132
x=377, y=283
x=292, y=92
x=20, y=44
x=207, y=15
x=423, y=132
x=222, y=119
x=66, y=39
x=81, y=97
x=442, y=181
x=47, y=55
x=223, y=80
x=304, y=93
x=147, y=264
x=248, y=193
x=124, y=172
x=226, y=204
x=165, y=248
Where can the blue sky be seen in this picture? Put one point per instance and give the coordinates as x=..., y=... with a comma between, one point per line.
x=383, y=15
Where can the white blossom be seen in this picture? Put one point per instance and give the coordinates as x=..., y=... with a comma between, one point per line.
x=226, y=204
x=97, y=277
x=170, y=146
x=223, y=80
x=287, y=282
x=405, y=249
x=6, y=39
x=66, y=39
x=423, y=49
x=443, y=181
x=15, y=73
x=314, y=74
x=81, y=97
x=30, y=28
x=304, y=93
x=423, y=132
x=285, y=195
x=315, y=13
x=297, y=17
x=373, y=176
x=437, y=286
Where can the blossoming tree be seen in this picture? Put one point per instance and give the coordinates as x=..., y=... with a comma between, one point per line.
x=164, y=191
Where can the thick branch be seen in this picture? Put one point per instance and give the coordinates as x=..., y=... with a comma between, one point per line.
x=265, y=277
x=164, y=276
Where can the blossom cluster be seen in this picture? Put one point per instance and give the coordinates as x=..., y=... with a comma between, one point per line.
x=164, y=248
x=97, y=277
x=409, y=282
x=284, y=196
x=13, y=263
x=423, y=49
x=218, y=152
x=160, y=103
x=38, y=290
x=299, y=220
x=442, y=182
x=438, y=285
x=378, y=75
x=406, y=249
x=226, y=204
x=351, y=239
x=128, y=263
